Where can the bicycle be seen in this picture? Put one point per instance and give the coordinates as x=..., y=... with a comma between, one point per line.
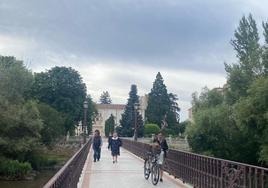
x=151, y=167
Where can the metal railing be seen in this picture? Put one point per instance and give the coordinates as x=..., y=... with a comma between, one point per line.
x=206, y=172
x=68, y=175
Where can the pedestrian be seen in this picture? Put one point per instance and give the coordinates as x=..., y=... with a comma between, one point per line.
x=162, y=144
x=110, y=140
x=116, y=143
x=97, y=143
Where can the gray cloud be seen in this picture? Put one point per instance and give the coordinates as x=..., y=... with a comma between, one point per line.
x=114, y=43
x=179, y=34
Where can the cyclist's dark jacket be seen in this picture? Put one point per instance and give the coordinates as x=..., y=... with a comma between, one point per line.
x=163, y=145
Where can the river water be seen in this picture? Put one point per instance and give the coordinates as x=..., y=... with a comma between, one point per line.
x=39, y=181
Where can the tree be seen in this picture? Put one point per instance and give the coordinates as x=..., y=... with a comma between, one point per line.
x=15, y=79
x=62, y=88
x=161, y=105
x=53, y=124
x=265, y=48
x=20, y=122
x=158, y=101
x=109, y=125
x=20, y=127
x=105, y=98
x=150, y=129
x=247, y=47
x=91, y=113
x=233, y=124
x=131, y=116
x=212, y=132
x=251, y=116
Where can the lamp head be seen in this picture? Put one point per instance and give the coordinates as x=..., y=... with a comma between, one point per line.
x=85, y=104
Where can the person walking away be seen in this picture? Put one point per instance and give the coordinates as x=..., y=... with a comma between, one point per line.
x=162, y=143
x=97, y=143
x=110, y=140
x=116, y=143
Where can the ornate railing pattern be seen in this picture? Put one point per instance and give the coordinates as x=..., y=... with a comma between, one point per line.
x=68, y=175
x=206, y=172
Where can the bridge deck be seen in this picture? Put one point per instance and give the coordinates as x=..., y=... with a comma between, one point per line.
x=127, y=173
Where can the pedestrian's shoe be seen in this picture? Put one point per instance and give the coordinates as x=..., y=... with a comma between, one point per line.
x=94, y=160
x=113, y=162
x=161, y=180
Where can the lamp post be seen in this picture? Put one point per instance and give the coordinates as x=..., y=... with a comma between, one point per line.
x=85, y=105
x=136, y=106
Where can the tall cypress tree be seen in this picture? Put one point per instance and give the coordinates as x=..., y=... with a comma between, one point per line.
x=161, y=104
x=109, y=125
x=158, y=101
x=131, y=116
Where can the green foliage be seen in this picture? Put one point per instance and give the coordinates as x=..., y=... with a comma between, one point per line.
x=182, y=127
x=109, y=125
x=20, y=127
x=61, y=88
x=131, y=116
x=53, y=124
x=265, y=48
x=208, y=98
x=249, y=53
x=211, y=132
x=105, y=98
x=151, y=129
x=15, y=79
x=158, y=101
x=13, y=169
x=232, y=124
x=161, y=104
x=252, y=120
x=91, y=113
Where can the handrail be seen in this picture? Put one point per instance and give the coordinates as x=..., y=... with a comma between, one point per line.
x=68, y=175
x=206, y=172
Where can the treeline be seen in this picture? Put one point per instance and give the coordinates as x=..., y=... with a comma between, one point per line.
x=36, y=111
x=232, y=122
x=162, y=107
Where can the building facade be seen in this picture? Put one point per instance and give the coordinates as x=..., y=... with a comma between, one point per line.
x=105, y=111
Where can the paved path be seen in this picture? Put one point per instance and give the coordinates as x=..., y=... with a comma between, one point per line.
x=127, y=173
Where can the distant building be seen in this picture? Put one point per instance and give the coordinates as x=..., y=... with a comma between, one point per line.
x=143, y=105
x=105, y=111
x=190, y=114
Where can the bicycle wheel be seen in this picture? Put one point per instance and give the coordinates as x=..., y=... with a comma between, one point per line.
x=146, y=169
x=155, y=174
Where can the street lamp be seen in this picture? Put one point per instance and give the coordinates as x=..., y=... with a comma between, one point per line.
x=136, y=107
x=85, y=105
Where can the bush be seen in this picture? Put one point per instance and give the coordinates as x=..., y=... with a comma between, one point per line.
x=168, y=132
x=14, y=169
x=151, y=129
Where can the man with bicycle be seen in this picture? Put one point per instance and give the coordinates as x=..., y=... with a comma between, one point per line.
x=161, y=144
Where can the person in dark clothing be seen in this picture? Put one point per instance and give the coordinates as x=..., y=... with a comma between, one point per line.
x=162, y=144
x=116, y=143
x=110, y=140
x=97, y=143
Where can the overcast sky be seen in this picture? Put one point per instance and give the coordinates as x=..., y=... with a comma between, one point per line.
x=116, y=43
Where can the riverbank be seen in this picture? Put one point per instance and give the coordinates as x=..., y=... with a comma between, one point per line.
x=56, y=157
